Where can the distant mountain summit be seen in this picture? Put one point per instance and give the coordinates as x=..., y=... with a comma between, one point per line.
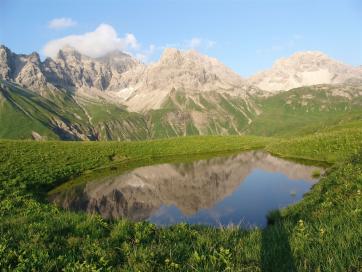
x=189, y=71
x=304, y=69
x=69, y=70
x=23, y=69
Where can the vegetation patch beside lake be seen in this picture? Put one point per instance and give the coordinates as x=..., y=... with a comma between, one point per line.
x=321, y=233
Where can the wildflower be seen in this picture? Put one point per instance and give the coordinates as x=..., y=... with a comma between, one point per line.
x=322, y=231
x=301, y=225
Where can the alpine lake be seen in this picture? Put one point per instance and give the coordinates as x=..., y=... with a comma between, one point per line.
x=238, y=189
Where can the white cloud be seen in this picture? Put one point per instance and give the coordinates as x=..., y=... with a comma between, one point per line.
x=59, y=23
x=195, y=42
x=210, y=44
x=105, y=39
x=145, y=55
x=199, y=43
x=102, y=40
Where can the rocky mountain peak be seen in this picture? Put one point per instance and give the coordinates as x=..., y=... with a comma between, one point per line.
x=304, y=69
x=34, y=58
x=114, y=56
x=5, y=62
x=190, y=71
x=305, y=60
x=69, y=70
x=119, y=61
x=68, y=52
x=308, y=55
x=171, y=56
x=4, y=49
x=25, y=70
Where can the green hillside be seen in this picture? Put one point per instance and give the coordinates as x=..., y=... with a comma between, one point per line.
x=60, y=115
x=307, y=109
x=201, y=113
x=24, y=112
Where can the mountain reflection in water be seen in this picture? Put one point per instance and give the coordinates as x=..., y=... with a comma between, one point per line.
x=238, y=189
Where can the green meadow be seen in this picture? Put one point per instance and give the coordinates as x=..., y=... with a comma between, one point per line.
x=321, y=233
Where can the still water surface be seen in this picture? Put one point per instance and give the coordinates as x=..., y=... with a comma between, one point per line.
x=239, y=189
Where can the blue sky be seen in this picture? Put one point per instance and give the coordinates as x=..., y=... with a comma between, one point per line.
x=247, y=36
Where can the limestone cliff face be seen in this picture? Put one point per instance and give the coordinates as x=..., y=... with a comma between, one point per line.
x=5, y=63
x=23, y=69
x=304, y=69
x=190, y=71
x=147, y=87
x=70, y=70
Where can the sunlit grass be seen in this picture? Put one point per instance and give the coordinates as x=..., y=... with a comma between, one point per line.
x=321, y=233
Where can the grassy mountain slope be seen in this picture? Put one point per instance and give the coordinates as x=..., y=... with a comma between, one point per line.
x=15, y=123
x=296, y=112
x=202, y=113
x=113, y=122
x=24, y=112
x=307, y=109
x=63, y=116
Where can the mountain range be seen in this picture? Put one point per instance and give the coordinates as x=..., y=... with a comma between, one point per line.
x=116, y=97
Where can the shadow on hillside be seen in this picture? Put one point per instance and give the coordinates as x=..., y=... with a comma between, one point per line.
x=276, y=254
